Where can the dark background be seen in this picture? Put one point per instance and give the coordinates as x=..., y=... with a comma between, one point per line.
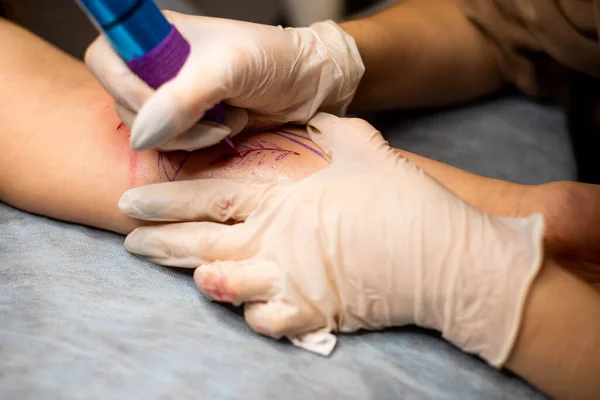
x=62, y=23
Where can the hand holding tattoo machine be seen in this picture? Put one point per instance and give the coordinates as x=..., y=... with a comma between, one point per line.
x=152, y=48
x=269, y=75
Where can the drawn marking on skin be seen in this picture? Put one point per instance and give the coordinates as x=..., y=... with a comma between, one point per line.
x=286, y=134
x=171, y=164
x=254, y=149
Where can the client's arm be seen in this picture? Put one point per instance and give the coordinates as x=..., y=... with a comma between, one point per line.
x=66, y=155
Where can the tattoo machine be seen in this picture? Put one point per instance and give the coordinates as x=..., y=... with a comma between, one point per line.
x=152, y=48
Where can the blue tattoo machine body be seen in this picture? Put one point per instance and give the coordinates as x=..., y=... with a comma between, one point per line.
x=152, y=47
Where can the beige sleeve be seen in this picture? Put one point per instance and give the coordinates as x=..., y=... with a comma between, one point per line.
x=540, y=41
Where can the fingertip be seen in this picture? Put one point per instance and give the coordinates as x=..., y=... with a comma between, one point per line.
x=133, y=241
x=156, y=122
x=236, y=119
x=93, y=49
x=140, y=142
x=256, y=320
x=213, y=283
x=125, y=204
x=318, y=129
x=87, y=55
x=274, y=319
x=322, y=118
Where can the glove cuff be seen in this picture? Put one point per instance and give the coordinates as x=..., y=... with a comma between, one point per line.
x=483, y=311
x=346, y=62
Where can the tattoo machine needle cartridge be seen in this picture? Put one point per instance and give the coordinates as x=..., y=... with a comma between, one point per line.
x=152, y=48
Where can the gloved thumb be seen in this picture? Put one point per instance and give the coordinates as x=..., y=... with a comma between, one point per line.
x=343, y=138
x=176, y=107
x=207, y=133
x=163, y=114
x=277, y=319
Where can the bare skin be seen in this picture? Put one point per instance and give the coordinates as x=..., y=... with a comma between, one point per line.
x=444, y=59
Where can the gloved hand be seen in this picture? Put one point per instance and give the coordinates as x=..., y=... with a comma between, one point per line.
x=278, y=75
x=369, y=242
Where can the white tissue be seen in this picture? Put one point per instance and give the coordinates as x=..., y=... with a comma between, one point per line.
x=321, y=342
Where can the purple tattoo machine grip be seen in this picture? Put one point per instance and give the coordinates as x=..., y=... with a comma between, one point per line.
x=163, y=63
x=152, y=48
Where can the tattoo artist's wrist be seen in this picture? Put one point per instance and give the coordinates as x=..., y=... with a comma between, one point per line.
x=346, y=61
x=483, y=309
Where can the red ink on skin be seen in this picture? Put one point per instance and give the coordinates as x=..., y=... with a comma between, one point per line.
x=245, y=153
x=133, y=160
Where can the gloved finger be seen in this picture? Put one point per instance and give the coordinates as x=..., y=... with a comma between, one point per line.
x=187, y=244
x=127, y=116
x=277, y=319
x=238, y=281
x=203, y=134
x=197, y=200
x=236, y=119
x=178, y=105
x=344, y=136
x=260, y=123
x=116, y=77
x=208, y=133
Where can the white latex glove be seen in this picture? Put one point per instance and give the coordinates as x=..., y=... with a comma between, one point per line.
x=278, y=75
x=371, y=241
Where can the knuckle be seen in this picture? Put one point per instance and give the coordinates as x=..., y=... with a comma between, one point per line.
x=358, y=123
x=237, y=54
x=223, y=206
x=206, y=241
